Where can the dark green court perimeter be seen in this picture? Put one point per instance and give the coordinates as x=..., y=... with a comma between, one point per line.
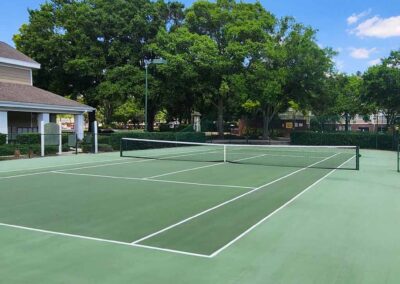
x=343, y=230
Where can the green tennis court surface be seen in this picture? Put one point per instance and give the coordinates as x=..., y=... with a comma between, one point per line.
x=103, y=218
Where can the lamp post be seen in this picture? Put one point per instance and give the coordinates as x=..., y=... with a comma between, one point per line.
x=147, y=62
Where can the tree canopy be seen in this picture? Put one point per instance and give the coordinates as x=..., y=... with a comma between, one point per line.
x=226, y=59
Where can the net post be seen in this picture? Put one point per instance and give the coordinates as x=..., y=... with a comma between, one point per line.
x=224, y=153
x=358, y=158
x=120, y=147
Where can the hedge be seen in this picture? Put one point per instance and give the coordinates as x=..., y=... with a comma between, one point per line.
x=165, y=127
x=28, y=138
x=87, y=148
x=364, y=140
x=9, y=149
x=114, y=139
x=3, y=139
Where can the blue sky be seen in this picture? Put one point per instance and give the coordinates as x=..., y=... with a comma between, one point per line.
x=362, y=31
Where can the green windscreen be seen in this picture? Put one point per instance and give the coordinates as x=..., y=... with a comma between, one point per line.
x=52, y=134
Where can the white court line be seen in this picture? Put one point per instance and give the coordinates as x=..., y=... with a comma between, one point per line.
x=62, y=165
x=49, y=172
x=286, y=156
x=153, y=180
x=275, y=211
x=227, y=202
x=202, y=167
x=144, y=159
x=186, y=170
x=102, y=240
x=102, y=165
x=24, y=175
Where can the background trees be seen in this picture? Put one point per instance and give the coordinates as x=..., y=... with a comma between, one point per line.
x=225, y=59
x=382, y=87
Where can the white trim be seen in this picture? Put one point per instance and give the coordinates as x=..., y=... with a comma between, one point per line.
x=227, y=202
x=19, y=63
x=240, y=145
x=215, y=253
x=33, y=107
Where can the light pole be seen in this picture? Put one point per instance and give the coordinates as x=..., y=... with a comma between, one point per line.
x=147, y=62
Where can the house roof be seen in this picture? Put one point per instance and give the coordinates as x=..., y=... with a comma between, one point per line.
x=10, y=55
x=25, y=96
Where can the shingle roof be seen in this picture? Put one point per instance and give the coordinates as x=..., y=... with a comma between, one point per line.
x=10, y=92
x=9, y=52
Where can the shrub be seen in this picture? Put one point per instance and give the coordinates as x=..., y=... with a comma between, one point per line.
x=3, y=139
x=164, y=127
x=88, y=148
x=362, y=139
x=9, y=149
x=28, y=138
x=115, y=138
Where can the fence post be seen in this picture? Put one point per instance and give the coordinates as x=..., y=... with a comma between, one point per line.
x=95, y=137
x=60, y=140
x=42, y=138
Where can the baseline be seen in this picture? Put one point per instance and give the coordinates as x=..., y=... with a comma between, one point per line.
x=101, y=240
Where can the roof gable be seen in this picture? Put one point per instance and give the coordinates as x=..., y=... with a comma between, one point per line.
x=10, y=55
x=28, y=95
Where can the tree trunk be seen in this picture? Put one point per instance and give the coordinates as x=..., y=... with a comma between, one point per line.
x=347, y=121
x=151, y=115
x=220, y=121
x=266, y=120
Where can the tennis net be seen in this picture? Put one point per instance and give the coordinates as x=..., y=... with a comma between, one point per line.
x=327, y=157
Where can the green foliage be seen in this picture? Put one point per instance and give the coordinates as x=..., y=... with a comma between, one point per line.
x=3, y=139
x=9, y=149
x=115, y=138
x=28, y=138
x=88, y=148
x=382, y=86
x=362, y=139
x=165, y=127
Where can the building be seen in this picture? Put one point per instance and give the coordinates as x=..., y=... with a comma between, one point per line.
x=25, y=108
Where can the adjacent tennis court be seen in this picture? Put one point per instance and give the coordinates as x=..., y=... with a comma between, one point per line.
x=177, y=199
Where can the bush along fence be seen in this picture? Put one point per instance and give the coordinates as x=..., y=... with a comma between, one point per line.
x=111, y=141
x=365, y=140
x=29, y=145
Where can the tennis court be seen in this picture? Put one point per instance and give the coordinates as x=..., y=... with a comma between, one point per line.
x=181, y=200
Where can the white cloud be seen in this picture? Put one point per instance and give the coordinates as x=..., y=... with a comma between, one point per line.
x=374, y=62
x=356, y=17
x=361, y=53
x=379, y=27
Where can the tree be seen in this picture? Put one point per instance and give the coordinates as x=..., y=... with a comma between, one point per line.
x=382, y=87
x=287, y=65
x=230, y=26
x=80, y=43
x=348, y=98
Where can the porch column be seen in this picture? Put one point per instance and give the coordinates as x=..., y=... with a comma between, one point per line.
x=4, y=123
x=43, y=118
x=79, y=125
